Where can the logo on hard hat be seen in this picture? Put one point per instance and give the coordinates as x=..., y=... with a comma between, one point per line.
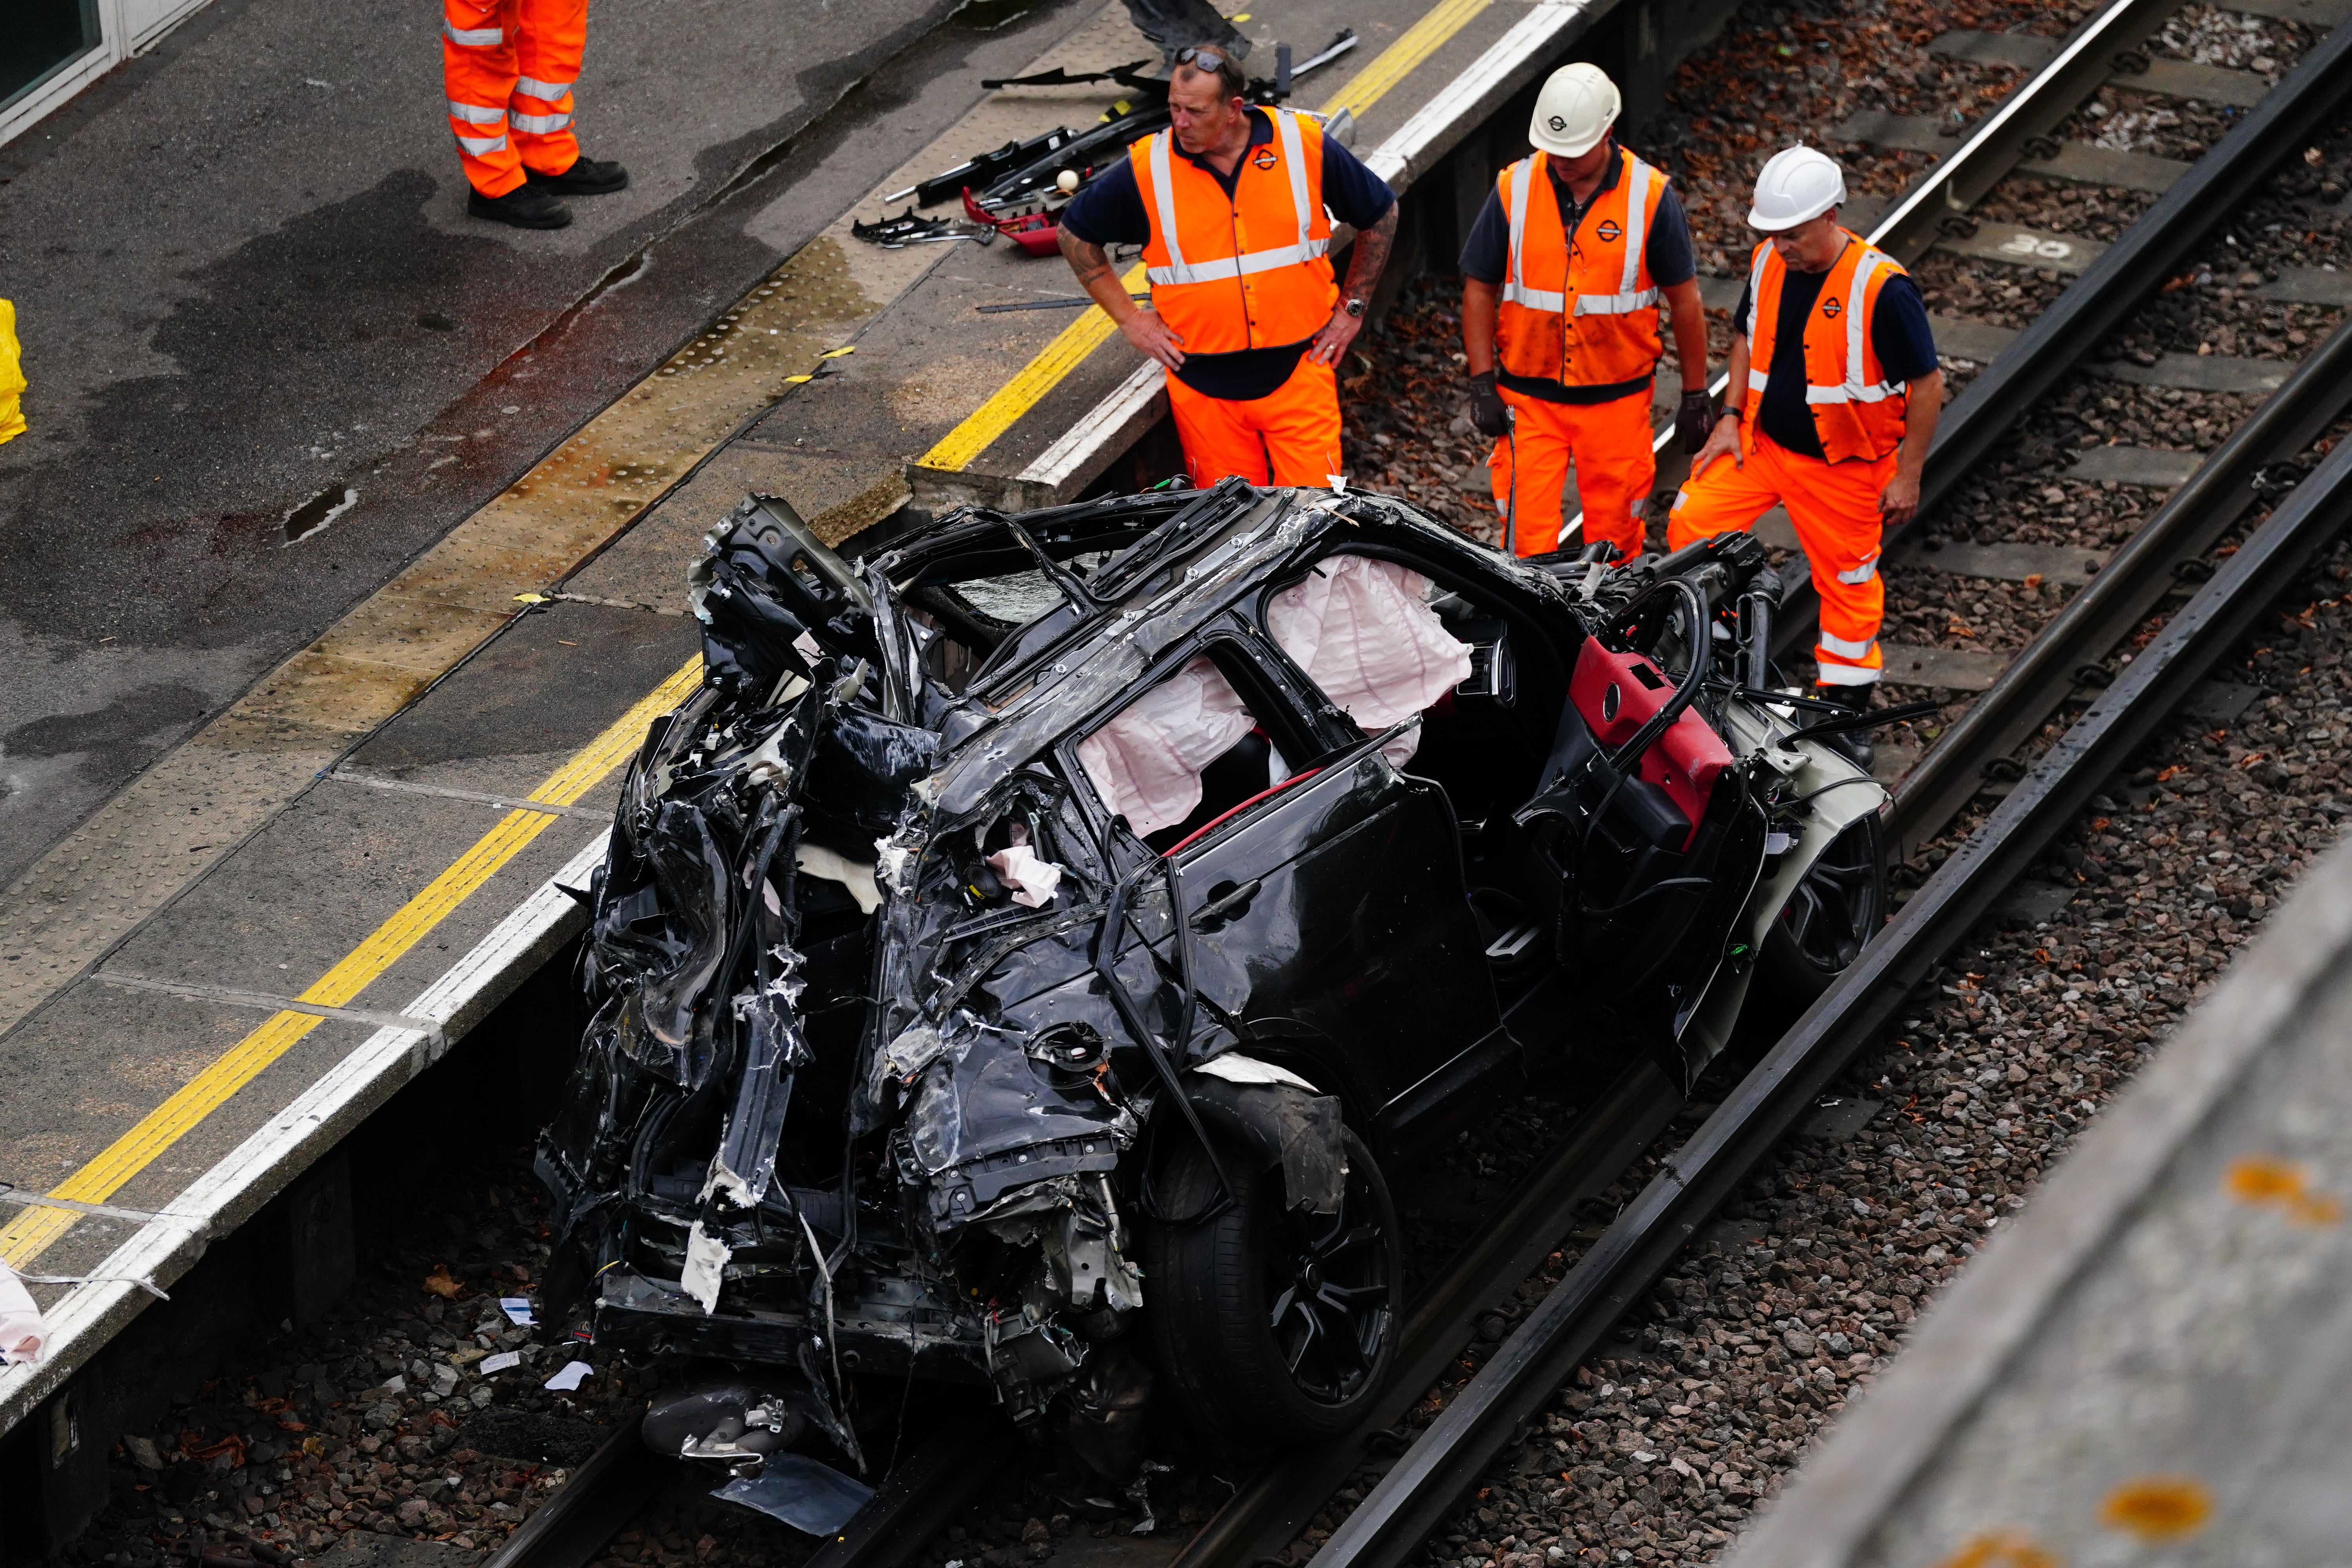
x=1265, y=158
x=1609, y=231
x=1830, y=307
x=1557, y=123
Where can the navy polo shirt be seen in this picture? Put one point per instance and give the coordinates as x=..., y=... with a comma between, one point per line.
x=1898, y=333
x=1109, y=211
x=1487, y=255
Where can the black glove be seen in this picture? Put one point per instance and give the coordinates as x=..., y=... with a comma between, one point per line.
x=1695, y=420
x=1488, y=412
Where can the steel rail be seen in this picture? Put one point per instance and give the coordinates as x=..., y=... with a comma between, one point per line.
x=2066, y=653
x=1414, y=1498
x=1955, y=182
x=2002, y=139
x=965, y=1449
x=596, y=1500
x=1267, y=1511
x=2139, y=262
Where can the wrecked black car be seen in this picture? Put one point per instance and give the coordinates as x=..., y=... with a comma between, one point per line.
x=1019, y=962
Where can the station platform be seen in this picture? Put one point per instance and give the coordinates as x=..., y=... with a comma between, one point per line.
x=300, y=908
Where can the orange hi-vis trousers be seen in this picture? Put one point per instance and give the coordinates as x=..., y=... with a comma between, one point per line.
x=1615, y=466
x=508, y=67
x=1835, y=509
x=1289, y=437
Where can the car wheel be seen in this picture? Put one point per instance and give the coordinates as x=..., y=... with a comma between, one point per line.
x=1839, y=906
x=1276, y=1327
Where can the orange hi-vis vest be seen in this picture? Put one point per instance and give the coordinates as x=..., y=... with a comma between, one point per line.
x=1857, y=411
x=1580, y=309
x=1251, y=272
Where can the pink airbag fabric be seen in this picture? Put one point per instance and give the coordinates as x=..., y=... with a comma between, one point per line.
x=1363, y=630
x=1146, y=763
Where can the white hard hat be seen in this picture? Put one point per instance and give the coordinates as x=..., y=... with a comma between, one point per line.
x=1797, y=185
x=1574, y=111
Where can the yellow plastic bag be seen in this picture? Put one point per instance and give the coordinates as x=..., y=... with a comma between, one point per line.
x=12, y=375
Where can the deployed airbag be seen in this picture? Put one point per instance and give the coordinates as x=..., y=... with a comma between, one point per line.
x=1363, y=630
x=1146, y=763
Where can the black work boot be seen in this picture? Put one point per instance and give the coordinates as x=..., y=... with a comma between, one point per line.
x=525, y=206
x=586, y=177
x=1855, y=745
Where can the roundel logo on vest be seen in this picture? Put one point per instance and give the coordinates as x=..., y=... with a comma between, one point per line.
x=1830, y=307
x=1265, y=158
x=1609, y=231
x=1557, y=123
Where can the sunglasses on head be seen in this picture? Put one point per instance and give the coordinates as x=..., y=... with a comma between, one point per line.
x=1200, y=57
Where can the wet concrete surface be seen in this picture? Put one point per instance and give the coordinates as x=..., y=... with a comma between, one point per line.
x=245, y=279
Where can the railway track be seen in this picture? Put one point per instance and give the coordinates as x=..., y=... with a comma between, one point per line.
x=2067, y=663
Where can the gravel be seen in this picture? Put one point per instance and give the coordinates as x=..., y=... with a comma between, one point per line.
x=383, y=1421
x=1659, y=1450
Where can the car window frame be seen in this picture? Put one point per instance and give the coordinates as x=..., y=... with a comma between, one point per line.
x=1263, y=684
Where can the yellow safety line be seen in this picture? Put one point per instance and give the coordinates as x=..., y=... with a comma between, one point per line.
x=1399, y=59
x=36, y=1228
x=992, y=418
x=960, y=447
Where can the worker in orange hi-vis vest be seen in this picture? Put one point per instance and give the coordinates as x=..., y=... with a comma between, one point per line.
x=1563, y=275
x=1834, y=393
x=1233, y=206
x=507, y=68
x=12, y=375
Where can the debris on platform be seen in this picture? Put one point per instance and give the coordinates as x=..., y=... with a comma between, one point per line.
x=24, y=1333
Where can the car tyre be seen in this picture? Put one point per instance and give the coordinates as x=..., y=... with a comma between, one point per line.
x=1838, y=907
x=1275, y=1327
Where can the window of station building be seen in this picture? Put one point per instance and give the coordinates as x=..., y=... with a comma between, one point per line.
x=37, y=37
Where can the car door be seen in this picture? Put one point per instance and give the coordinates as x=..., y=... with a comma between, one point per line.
x=1334, y=912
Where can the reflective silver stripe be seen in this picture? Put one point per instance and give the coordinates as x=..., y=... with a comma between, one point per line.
x=478, y=145
x=1237, y=266
x=474, y=114
x=1861, y=574
x=1845, y=675
x=1294, y=153
x=1756, y=287
x=1857, y=336
x=541, y=125
x=1164, y=197
x=474, y=38
x=1878, y=392
x=1163, y=194
x=550, y=90
x=1845, y=649
x=1615, y=304
x=1638, y=176
x=1756, y=380
x=1515, y=289
x=1535, y=299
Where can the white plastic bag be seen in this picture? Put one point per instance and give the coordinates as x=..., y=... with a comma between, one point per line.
x=24, y=1334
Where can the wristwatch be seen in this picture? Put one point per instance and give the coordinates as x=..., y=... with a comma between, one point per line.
x=1356, y=307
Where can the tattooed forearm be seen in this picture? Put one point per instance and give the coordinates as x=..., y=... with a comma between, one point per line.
x=1371, y=254
x=1089, y=261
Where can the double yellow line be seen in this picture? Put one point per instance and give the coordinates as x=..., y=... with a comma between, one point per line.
x=128, y=1155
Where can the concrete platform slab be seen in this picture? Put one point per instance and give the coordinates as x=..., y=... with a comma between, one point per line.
x=511, y=715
